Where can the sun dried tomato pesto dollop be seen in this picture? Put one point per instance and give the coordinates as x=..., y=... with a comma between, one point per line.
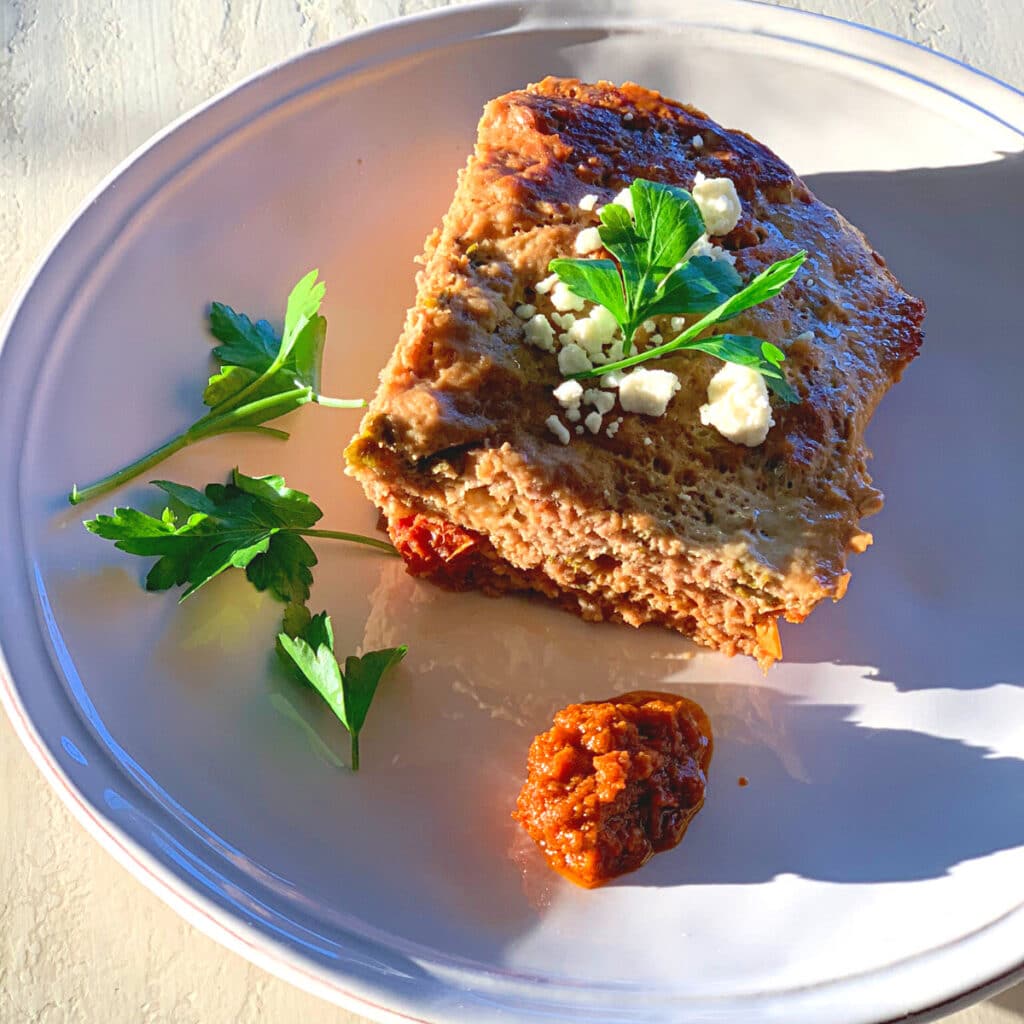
x=615, y=781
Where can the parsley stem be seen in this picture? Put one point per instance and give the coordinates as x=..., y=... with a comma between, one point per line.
x=208, y=426
x=355, y=751
x=340, y=403
x=280, y=435
x=129, y=472
x=355, y=538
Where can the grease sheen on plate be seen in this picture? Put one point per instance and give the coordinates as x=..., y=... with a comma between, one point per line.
x=873, y=864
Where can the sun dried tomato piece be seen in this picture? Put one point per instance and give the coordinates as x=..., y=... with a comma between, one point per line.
x=434, y=548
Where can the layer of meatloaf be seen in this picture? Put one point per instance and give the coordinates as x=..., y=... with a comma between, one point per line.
x=665, y=522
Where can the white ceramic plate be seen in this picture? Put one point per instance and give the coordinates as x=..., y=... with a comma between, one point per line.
x=875, y=864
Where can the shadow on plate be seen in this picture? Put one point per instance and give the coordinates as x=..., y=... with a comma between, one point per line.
x=936, y=601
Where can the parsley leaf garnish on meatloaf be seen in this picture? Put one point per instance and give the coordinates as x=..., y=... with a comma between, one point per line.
x=652, y=275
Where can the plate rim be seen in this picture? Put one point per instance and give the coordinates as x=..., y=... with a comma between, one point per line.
x=224, y=926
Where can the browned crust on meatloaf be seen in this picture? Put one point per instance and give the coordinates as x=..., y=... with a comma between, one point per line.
x=691, y=531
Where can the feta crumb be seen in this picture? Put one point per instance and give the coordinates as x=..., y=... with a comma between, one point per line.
x=738, y=406
x=568, y=393
x=613, y=428
x=628, y=116
x=602, y=401
x=539, y=333
x=564, y=300
x=697, y=142
x=612, y=379
x=563, y=320
x=594, y=331
x=648, y=391
x=549, y=282
x=656, y=339
x=558, y=428
x=807, y=337
x=573, y=414
x=525, y=311
x=647, y=442
x=718, y=202
x=572, y=359
x=588, y=202
x=588, y=241
x=678, y=323
x=615, y=352
x=593, y=422
x=649, y=326
x=625, y=198
x=703, y=247
x=578, y=428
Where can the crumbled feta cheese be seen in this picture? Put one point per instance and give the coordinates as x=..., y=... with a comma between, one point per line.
x=593, y=422
x=594, y=331
x=539, y=333
x=738, y=406
x=569, y=392
x=558, y=428
x=578, y=428
x=649, y=326
x=588, y=202
x=573, y=414
x=697, y=142
x=572, y=359
x=703, y=247
x=628, y=116
x=602, y=401
x=656, y=339
x=807, y=337
x=563, y=320
x=613, y=428
x=549, y=282
x=615, y=352
x=648, y=391
x=625, y=198
x=564, y=300
x=524, y=311
x=647, y=442
x=678, y=323
x=588, y=241
x=718, y=202
x=612, y=379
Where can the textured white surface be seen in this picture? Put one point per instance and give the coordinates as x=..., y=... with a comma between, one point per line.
x=81, y=85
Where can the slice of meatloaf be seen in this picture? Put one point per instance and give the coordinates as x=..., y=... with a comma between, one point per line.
x=649, y=519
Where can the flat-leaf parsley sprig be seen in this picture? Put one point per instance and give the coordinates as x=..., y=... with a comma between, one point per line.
x=652, y=275
x=261, y=376
x=309, y=648
x=258, y=524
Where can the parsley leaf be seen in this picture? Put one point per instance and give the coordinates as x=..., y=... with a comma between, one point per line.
x=261, y=377
x=254, y=523
x=350, y=693
x=646, y=276
x=753, y=352
x=651, y=275
x=595, y=280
